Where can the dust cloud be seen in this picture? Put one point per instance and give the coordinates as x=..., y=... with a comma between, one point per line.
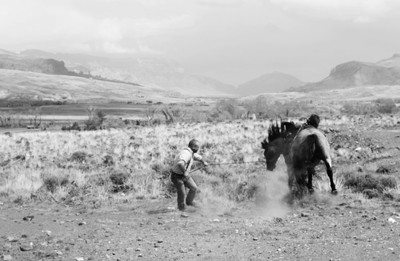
x=272, y=193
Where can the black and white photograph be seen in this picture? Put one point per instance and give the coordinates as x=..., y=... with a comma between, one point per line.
x=199, y=130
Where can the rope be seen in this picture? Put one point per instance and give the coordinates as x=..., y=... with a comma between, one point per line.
x=235, y=163
x=226, y=163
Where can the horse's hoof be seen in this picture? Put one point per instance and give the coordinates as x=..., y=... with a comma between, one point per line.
x=311, y=191
x=334, y=192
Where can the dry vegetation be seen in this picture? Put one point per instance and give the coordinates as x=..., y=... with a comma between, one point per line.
x=106, y=194
x=97, y=167
x=78, y=165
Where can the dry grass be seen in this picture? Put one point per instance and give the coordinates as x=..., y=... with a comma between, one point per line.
x=61, y=162
x=75, y=167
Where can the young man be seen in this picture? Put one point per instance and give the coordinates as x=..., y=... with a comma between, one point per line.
x=313, y=120
x=180, y=174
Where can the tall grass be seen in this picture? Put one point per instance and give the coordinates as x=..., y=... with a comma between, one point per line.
x=75, y=166
x=78, y=165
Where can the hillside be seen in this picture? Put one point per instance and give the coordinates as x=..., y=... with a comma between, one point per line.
x=356, y=74
x=268, y=83
x=40, y=65
x=22, y=85
x=153, y=72
x=392, y=62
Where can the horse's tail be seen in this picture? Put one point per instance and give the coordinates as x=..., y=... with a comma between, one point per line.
x=303, y=151
x=323, y=149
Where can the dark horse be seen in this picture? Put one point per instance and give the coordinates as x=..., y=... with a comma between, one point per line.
x=302, y=150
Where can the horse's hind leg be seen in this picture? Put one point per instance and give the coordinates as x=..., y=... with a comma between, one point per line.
x=329, y=171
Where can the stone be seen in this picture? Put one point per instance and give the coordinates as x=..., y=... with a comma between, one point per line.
x=304, y=214
x=7, y=257
x=27, y=247
x=28, y=218
x=12, y=239
x=47, y=232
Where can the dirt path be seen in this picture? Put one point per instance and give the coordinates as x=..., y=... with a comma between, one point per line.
x=324, y=228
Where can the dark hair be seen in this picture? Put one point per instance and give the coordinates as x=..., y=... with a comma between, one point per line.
x=192, y=143
x=313, y=120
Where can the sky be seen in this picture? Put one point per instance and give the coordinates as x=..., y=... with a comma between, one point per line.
x=233, y=41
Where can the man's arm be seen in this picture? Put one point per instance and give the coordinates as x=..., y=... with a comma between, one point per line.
x=198, y=157
x=182, y=167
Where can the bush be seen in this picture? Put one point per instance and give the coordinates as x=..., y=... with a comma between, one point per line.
x=74, y=126
x=96, y=119
x=385, y=169
x=119, y=180
x=79, y=156
x=371, y=185
x=108, y=160
x=353, y=108
x=226, y=110
x=51, y=183
x=385, y=105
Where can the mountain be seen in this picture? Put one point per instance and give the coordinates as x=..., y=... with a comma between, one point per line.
x=149, y=71
x=356, y=74
x=392, y=62
x=268, y=83
x=2, y=51
x=16, y=62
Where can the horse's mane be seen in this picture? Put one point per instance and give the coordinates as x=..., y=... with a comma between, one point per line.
x=282, y=130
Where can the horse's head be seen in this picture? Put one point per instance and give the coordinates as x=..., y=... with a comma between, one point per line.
x=278, y=141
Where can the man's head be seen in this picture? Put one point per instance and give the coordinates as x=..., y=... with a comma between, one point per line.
x=313, y=120
x=194, y=145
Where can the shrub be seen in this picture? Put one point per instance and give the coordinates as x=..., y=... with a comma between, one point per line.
x=108, y=160
x=79, y=156
x=385, y=169
x=385, y=105
x=74, y=126
x=119, y=180
x=366, y=183
x=353, y=108
x=51, y=183
x=96, y=119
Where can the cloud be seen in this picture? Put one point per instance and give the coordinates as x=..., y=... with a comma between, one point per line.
x=220, y=3
x=60, y=25
x=148, y=27
x=358, y=11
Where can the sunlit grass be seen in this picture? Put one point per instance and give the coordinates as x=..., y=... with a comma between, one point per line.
x=145, y=155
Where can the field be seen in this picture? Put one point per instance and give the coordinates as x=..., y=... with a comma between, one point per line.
x=54, y=117
x=106, y=195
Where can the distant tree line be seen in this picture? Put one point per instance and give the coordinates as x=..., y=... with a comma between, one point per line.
x=29, y=103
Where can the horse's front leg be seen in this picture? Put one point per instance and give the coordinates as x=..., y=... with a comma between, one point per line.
x=291, y=177
x=310, y=173
x=328, y=164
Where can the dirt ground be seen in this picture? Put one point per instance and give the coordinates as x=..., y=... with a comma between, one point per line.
x=322, y=227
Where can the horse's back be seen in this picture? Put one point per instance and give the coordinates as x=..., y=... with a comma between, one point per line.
x=309, y=144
